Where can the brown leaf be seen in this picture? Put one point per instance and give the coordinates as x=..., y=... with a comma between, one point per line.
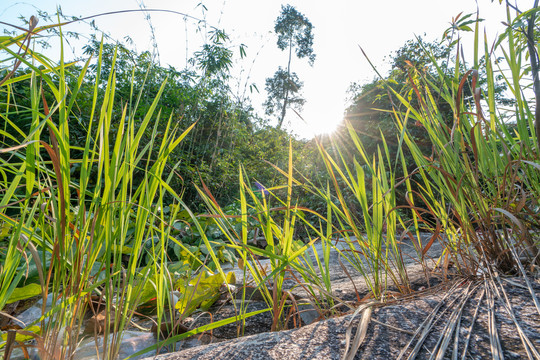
x=97, y=323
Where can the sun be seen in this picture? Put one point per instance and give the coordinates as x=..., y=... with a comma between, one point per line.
x=317, y=121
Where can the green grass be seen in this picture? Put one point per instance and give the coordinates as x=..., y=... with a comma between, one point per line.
x=481, y=185
x=76, y=227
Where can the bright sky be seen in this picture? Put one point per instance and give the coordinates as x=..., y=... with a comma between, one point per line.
x=340, y=27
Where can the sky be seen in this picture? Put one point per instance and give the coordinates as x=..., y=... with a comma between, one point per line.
x=341, y=27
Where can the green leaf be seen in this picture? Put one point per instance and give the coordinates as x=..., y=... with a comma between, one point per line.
x=148, y=292
x=22, y=338
x=126, y=250
x=5, y=230
x=25, y=292
x=202, y=292
x=178, y=225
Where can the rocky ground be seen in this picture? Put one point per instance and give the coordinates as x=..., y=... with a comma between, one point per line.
x=394, y=326
x=464, y=309
x=402, y=326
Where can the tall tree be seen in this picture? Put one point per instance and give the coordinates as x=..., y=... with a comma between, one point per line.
x=294, y=32
x=283, y=90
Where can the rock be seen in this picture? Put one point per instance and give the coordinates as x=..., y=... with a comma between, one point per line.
x=18, y=354
x=390, y=329
x=308, y=313
x=96, y=325
x=322, y=340
x=8, y=309
x=253, y=325
x=168, y=329
x=133, y=342
x=33, y=313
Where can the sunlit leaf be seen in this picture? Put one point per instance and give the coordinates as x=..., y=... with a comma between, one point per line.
x=201, y=292
x=22, y=338
x=25, y=292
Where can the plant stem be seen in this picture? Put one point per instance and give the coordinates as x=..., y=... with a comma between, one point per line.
x=534, y=69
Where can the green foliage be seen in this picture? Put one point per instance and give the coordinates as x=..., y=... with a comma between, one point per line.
x=211, y=153
x=190, y=249
x=372, y=104
x=372, y=112
x=214, y=58
x=478, y=185
x=73, y=226
x=202, y=291
x=99, y=159
x=276, y=224
x=294, y=31
x=225, y=130
x=283, y=85
x=370, y=232
x=25, y=292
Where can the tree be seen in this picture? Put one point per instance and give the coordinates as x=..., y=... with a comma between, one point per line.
x=370, y=112
x=294, y=32
x=372, y=105
x=284, y=87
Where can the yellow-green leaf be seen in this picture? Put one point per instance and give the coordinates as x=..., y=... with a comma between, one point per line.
x=22, y=338
x=5, y=230
x=201, y=292
x=25, y=292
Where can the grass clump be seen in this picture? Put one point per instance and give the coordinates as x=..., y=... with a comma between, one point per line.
x=78, y=230
x=479, y=185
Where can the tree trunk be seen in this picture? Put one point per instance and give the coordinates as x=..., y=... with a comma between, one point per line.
x=286, y=88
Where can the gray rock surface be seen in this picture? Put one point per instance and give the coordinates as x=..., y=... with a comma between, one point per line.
x=390, y=329
x=407, y=248
x=322, y=340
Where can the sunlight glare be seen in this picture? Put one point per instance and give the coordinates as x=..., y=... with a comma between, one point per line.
x=317, y=122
